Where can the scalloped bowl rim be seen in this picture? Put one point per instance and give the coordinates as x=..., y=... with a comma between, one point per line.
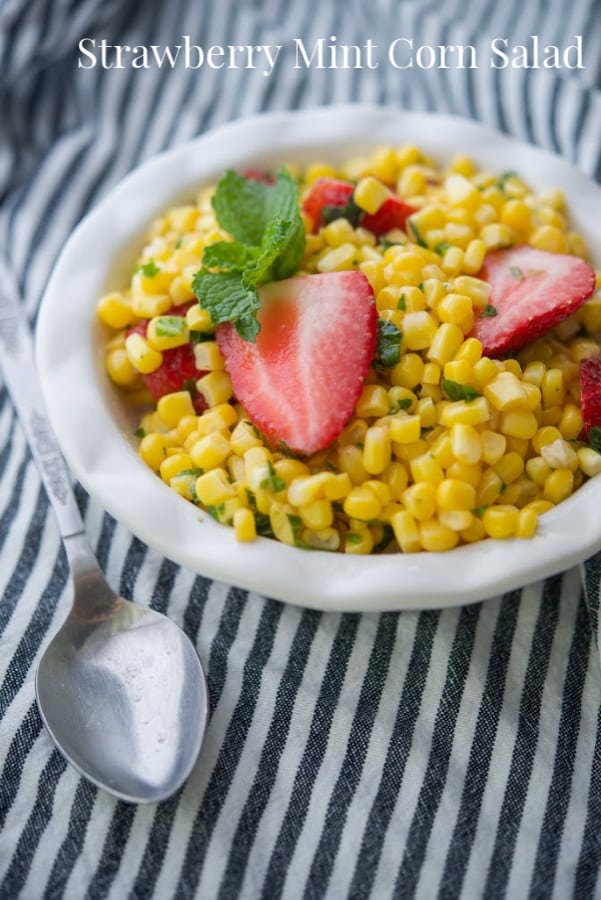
x=94, y=428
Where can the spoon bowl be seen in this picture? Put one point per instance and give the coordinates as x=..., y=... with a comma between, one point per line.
x=124, y=697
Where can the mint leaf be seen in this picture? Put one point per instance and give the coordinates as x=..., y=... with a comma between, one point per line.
x=268, y=244
x=244, y=206
x=442, y=247
x=170, y=326
x=488, y=312
x=230, y=256
x=416, y=234
x=150, y=269
x=227, y=300
x=349, y=211
x=456, y=391
x=516, y=272
x=388, y=344
x=594, y=437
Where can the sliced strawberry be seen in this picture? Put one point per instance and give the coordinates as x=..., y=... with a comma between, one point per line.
x=326, y=192
x=300, y=381
x=590, y=393
x=532, y=290
x=393, y=213
x=178, y=370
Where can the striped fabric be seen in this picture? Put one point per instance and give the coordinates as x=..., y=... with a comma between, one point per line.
x=435, y=755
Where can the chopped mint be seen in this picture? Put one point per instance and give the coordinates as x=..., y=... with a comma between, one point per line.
x=268, y=243
x=388, y=344
x=416, y=234
x=401, y=304
x=402, y=403
x=594, y=437
x=195, y=472
x=150, y=269
x=488, y=312
x=442, y=247
x=456, y=391
x=140, y=433
x=480, y=510
x=350, y=211
x=170, y=326
x=353, y=538
x=516, y=272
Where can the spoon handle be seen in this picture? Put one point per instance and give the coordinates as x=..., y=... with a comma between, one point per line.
x=23, y=384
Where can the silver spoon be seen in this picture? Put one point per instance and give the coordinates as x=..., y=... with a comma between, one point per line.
x=120, y=687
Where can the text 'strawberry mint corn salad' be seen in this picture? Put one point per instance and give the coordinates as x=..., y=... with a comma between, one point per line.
x=387, y=357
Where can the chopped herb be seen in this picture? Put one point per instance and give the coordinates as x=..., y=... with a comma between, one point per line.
x=388, y=344
x=353, y=538
x=504, y=178
x=150, y=269
x=420, y=286
x=170, y=326
x=140, y=433
x=387, y=535
x=268, y=243
x=385, y=243
x=488, y=312
x=456, y=391
x=195, y=472
x=503, y=487
x=199, y=337
x=350, y=211
x=190, y=386
x=402, y=303
x=416, y=235
x=402, y=403
x=594, y=437
x=179, y=242
x=272, y=483
x=263, y=525
x=443, y=247
x=480, y=510
x=296, y=523
x=215, y=511
x=516, y=272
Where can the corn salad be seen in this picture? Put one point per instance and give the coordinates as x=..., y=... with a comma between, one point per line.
x=412, y=470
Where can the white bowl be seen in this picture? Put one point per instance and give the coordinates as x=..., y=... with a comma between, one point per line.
x=95, y=429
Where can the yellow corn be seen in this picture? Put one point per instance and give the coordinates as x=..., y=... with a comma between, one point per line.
x=406, y=531
x=244, y=525
x=213, y=488
x=500, y=521
x=420, y=500
x=405, y=429
x=119, y=367
x=114, y=310
x=210, y=451
x=436, y=537
x=143, y=357
x=207, y=357
x=370, y=194
x=153, y=449
x=376, y=450
x=362, y=503
x=558, y=485
x=173, y=407
x=215, y=387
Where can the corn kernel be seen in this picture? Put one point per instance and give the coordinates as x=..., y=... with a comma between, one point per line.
x=405, y=429
x=244, y=436
x=373, y=402
x=445, y=343
x=362, y=503
x=119, y=367
x=114, y=310
x=420, y=500
x=419, y=329
x=284, y=522
x=454, y=494
x=337, y=259
x=207, y=357
x=358, y=539
x=589, y=460
x=350, y=460
x=147, y=306
x=426, y=468
x=474, y=256
x=244, y=525
x=406, y=531
x=476, y=412
x=174, y=465
x=408, y=372
x=500, y=521
x=198, y=319
x=436, y=537
x=337, y=486
x=215, y=387
x=459, y=370
x=172, y=407
x=370, y=194
x=519, y=423
x=317, y=515
x=553, y=388
x=505, y=392
x=455, y=519
x=466, y=444
x=153, y=449
x=493, y=446
x=144, y=358
x=210, y=451
x=549, y=238
x=213, y=488
x=376, y=450
x=496, y=235
x=558, y=485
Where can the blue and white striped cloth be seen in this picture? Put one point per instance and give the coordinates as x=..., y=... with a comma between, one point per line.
x=434, y=755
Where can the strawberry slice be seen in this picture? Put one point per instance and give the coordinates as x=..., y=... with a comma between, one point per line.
x=532, y=290
x=326, y=192
x=393, y=213
x=590, y=393
x=301, y=379
x=178, y=370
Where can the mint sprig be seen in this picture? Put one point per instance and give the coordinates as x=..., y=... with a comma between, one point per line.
x=268, y=242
